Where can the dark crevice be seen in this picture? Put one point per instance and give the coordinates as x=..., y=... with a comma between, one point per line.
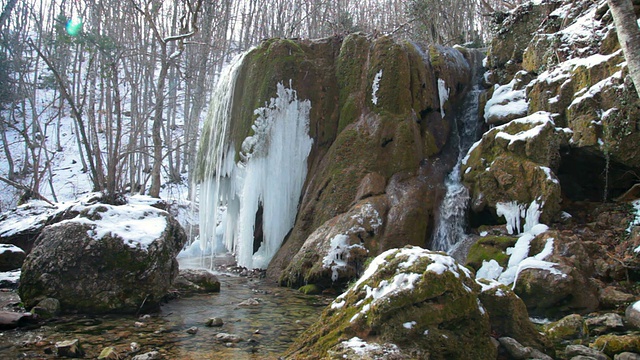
x=258, y=232
x=386, y=141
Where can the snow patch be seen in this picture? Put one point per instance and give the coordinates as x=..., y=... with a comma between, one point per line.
x=505, y=102
x=137, y=225
x=490, y=270
x=338, y=254
x=514, y=213
x=409, y=325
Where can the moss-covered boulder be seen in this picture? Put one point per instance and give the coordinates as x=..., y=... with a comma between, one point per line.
x=555, y=290
x=571, y=328
x=509, y=317
x=421, y=301
x=108, y=259
x=515, y=163
x=490, y=248
x=612, y=344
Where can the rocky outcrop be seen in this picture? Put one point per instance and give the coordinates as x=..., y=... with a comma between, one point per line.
x=421, y=301
x=107, y=259
x=515, y=162
x=384, y=133
x=379, y=116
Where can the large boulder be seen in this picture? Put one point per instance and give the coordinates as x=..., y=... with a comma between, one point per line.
x=509, y=317
x=514, y=164
x=107, y=259
x=421, y=301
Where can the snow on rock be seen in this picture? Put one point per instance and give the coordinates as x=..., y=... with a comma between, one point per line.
x=136, y=225
x=505, y=104
x=636, y=219
x=408, y=296
x=363, y=349
x=10, y=278
x=337, y=256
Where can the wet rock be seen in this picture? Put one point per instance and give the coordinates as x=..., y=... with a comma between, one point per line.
x=612, y=344
x=192, y=330
x=632, y=315
x=520, y=352
x=571, y=327
x=11, y=320
x=249, y=302
x=410, y=297
x=612, y=298
x=604, y=323
x=89, y=267
x=508, y=316
x=214, y=322
x=11, y=257
x=196, y=281
x=69, y=348
x=152, y=355
x=572, y=351
x=47, y=308
x=228, y=338
x=109, y=353
x=627, y=356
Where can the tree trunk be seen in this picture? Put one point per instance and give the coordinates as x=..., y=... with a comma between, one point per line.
x=629, y=36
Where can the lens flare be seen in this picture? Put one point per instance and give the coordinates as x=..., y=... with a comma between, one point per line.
x=74, y=26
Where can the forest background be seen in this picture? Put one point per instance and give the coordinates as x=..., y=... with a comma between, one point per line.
x=124, y=85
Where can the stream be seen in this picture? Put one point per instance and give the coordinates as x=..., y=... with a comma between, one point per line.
x=266, y=329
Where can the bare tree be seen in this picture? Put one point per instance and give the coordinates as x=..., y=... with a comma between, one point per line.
x=629, y=36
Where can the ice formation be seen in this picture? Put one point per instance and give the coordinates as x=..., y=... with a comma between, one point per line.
x=514, y=213
x=375, y=87
x=443, y=93
x=248, y=206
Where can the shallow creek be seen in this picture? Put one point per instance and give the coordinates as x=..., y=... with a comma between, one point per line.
x=267, y=329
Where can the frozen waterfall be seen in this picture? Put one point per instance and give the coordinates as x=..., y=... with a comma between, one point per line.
x=249, y=200
x=451, y=221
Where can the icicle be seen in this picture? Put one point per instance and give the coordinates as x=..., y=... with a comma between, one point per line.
x=271, y=172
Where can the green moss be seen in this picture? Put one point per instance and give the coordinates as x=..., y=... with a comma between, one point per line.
x=394, y=92
x=310, y=289
x=490, y=247
x=616, y=344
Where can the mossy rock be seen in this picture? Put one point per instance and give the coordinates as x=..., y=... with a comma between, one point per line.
x=490, y=247
x=509, y=317
x=515, y=162
x=571, y=328
x=420, y=300
x=615, y=344
x=310, y=289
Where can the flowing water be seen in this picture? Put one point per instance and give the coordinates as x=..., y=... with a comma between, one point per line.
x=267, y=329
x=451, y=221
